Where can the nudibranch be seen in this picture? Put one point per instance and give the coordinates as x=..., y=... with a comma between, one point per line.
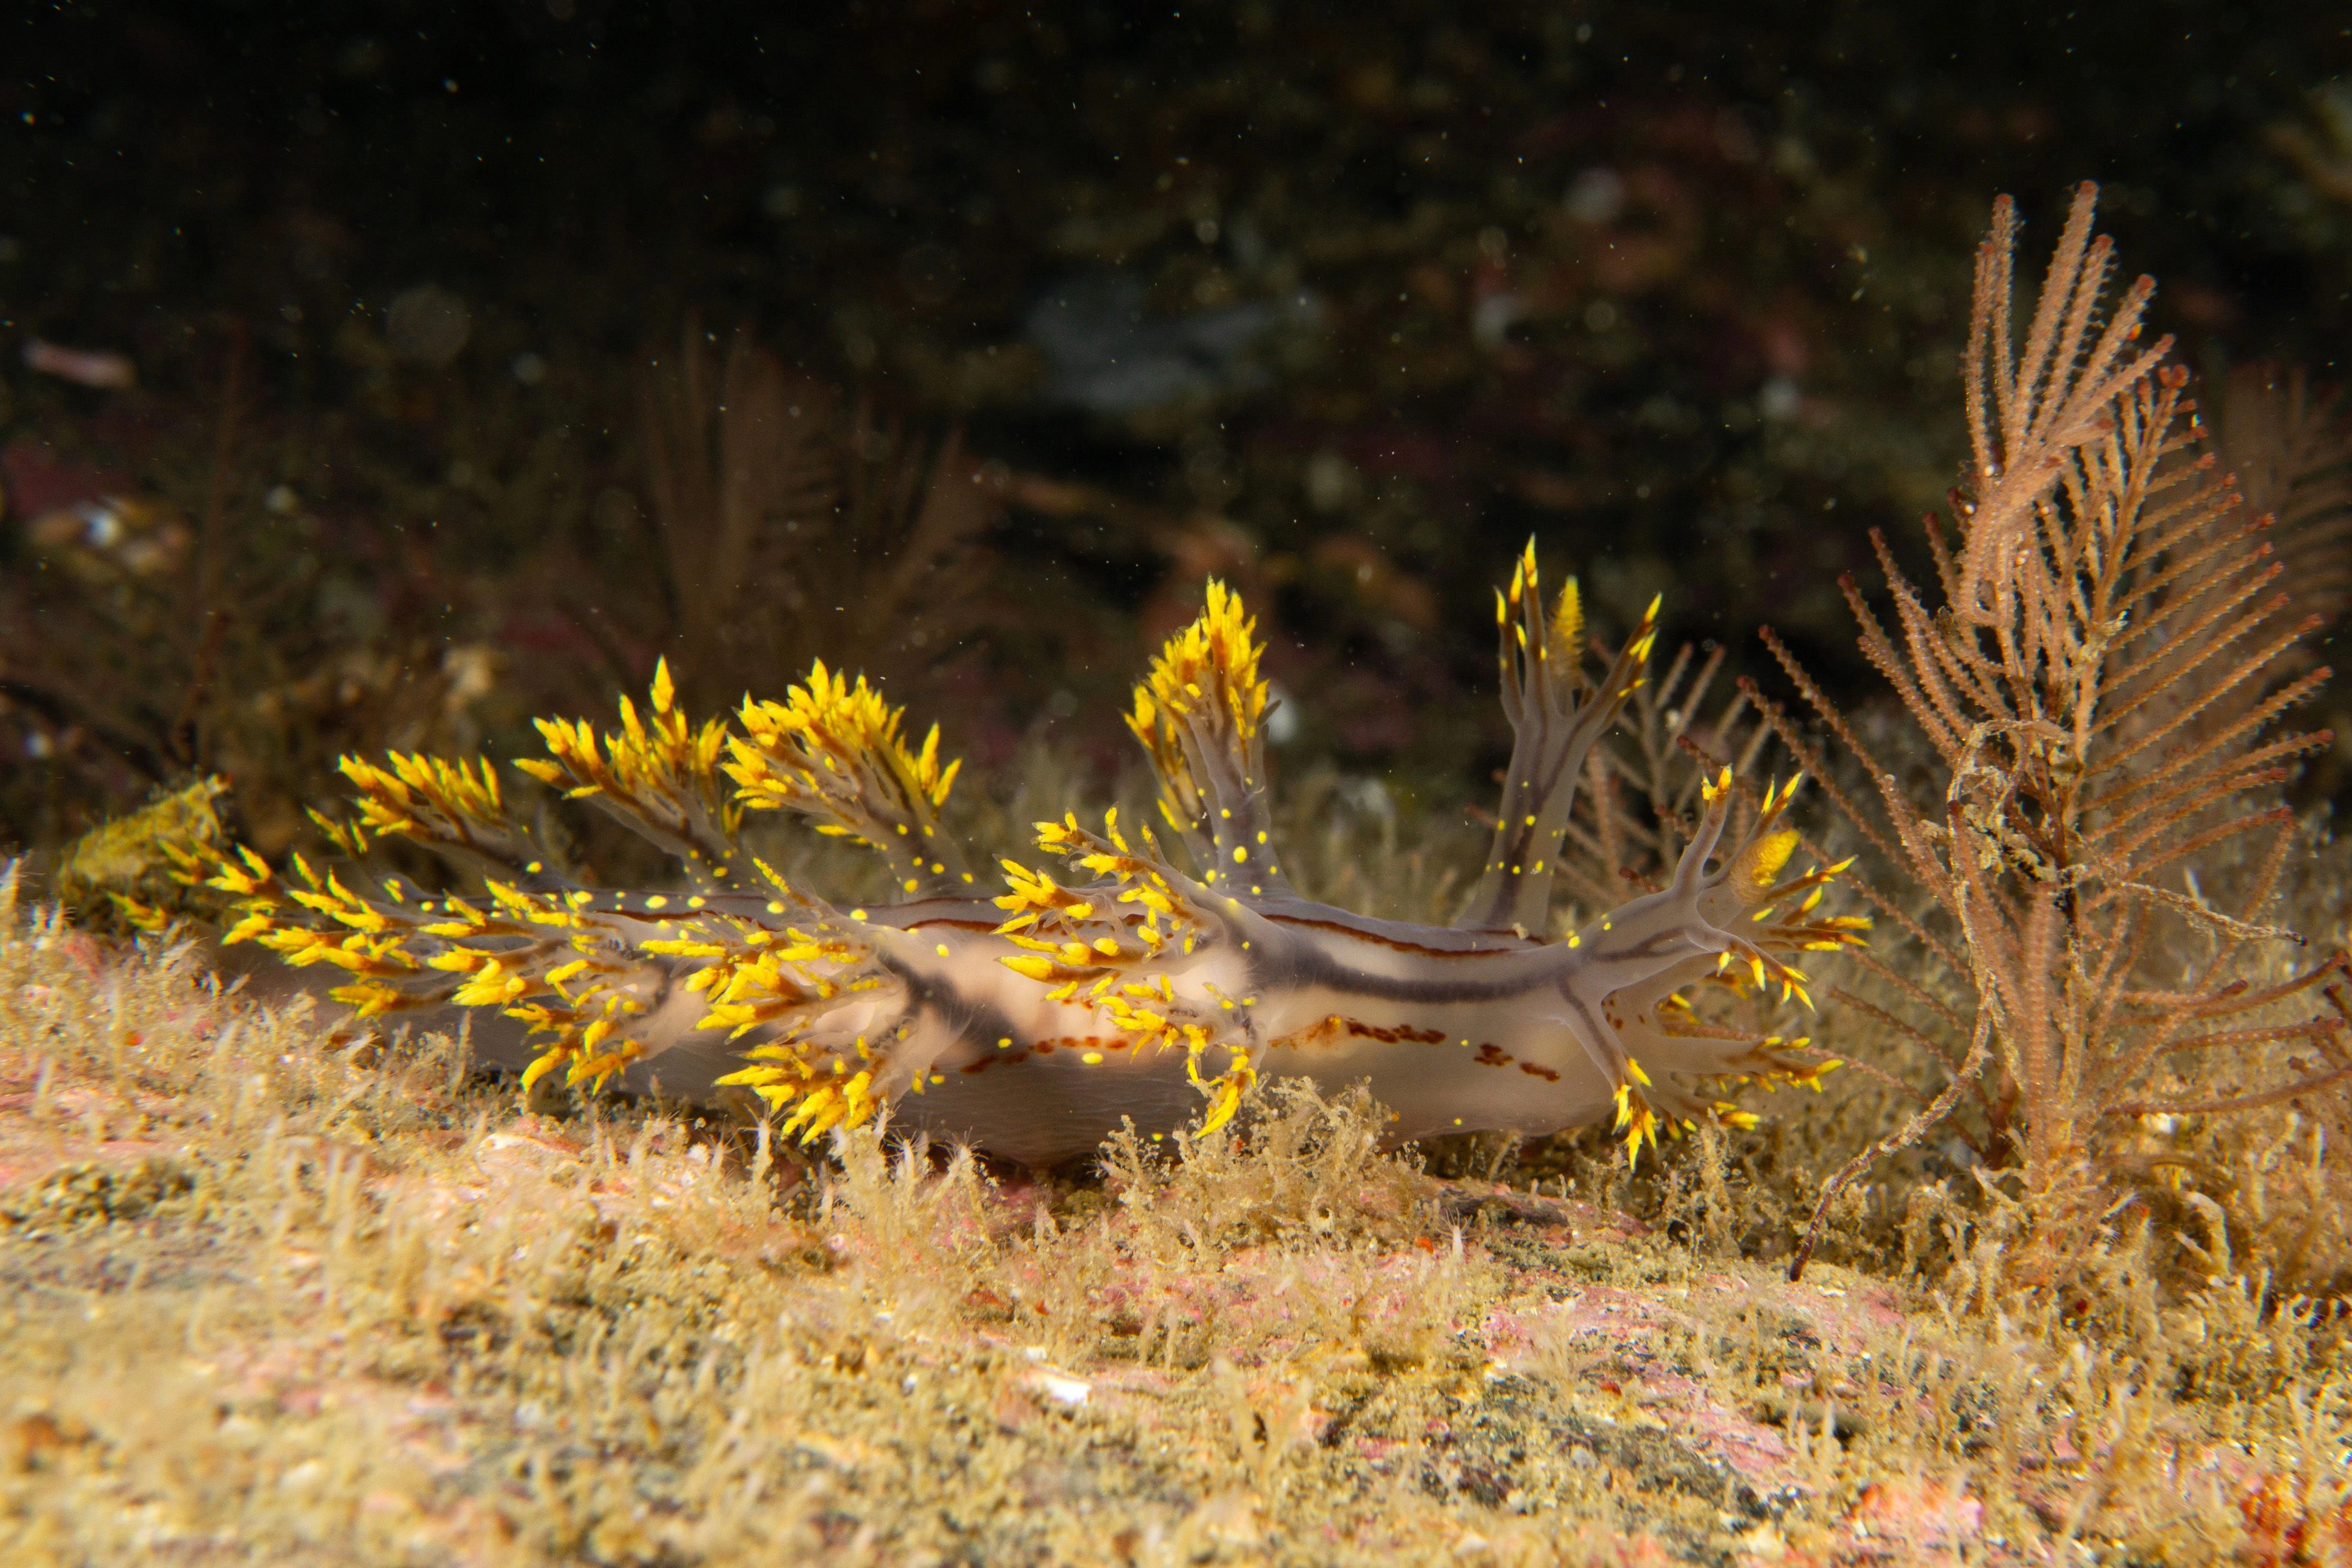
x=1142, y=980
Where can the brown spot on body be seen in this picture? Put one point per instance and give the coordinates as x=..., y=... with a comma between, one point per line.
x=1494, y=1056
x=1545, y=1073
x=1324, y=1031
x=1329, y=1030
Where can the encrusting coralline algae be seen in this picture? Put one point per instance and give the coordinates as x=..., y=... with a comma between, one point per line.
x=1034, y=1023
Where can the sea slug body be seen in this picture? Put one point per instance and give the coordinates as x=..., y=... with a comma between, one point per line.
x=1033, y=1021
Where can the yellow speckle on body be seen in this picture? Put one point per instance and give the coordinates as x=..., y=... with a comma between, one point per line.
x=696, y=902
x=775, y=906
x=657, y=902
x=1092, y=1059
x=1241, y=852
x=943, y=950
x=858, y=914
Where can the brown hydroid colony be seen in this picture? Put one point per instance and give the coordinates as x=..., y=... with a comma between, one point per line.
x=794, y=527
x=2287, y=446
x=2084, y=885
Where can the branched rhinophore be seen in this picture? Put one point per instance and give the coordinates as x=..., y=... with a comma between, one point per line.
x=1557, y=712
x=2098, y=692
x=1036, y=1021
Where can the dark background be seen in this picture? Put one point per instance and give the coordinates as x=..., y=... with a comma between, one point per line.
x=1342, y=302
